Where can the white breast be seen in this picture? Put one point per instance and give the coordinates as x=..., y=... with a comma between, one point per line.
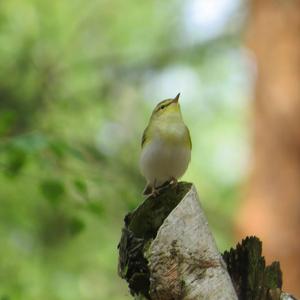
x=161, y=161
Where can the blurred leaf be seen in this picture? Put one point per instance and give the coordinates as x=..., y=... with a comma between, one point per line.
x=75, y=152
x=15, y=161
x=7, y=120
x=61, y=148
x=96, y=208
x=94, y=152
x=81, y=187
x=31, y=143
x=58, y=148
x=53, y=190
x=76, y=225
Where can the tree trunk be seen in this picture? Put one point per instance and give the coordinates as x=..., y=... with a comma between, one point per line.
x=271, y=209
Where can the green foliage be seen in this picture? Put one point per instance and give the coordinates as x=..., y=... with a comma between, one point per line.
x=7, y=118
x=73, y=77
x=53, y=190
x=81, y=187
x=16, y=158
x=96, y=208
x=76, y=226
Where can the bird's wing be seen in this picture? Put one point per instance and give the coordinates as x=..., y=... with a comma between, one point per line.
x=144, y=138
x=189, y=137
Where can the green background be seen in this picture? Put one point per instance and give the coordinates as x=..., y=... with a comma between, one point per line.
x=78, y=82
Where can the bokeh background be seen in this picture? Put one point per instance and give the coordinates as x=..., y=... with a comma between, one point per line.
x=78, y=82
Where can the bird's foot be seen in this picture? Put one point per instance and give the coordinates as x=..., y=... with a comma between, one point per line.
x=164, y=185
x=147, y=190
x=152, y=190
x=155, y=192
x=169, y=183
x=173, y=182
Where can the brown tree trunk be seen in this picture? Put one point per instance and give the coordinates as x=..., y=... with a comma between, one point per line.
x=271, y=209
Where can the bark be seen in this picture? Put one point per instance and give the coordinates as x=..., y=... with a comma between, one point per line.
x=271, y=209
x=168, y=252
x=252, y=279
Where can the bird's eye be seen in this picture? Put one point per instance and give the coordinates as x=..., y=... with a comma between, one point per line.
x=162, y=107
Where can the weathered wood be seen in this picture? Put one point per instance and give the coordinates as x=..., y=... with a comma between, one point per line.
x=167, y=250
x=252, y=279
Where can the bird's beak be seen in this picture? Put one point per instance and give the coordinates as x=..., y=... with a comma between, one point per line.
x=176, y=99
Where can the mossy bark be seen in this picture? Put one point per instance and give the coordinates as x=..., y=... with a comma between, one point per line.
x=252, y=279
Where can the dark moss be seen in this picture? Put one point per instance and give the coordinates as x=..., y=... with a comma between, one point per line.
x=145, y=221
x=273, y=276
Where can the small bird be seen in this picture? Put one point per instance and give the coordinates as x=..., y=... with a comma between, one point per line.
x=166, y=147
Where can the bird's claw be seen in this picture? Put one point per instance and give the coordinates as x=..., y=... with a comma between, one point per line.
x=174, y=182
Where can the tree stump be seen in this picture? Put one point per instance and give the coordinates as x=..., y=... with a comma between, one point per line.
x=167, y=252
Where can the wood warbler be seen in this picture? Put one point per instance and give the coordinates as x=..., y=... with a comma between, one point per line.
x=166, y=147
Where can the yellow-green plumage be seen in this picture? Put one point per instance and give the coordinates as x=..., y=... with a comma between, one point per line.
x=166, y=145
x=162, y=127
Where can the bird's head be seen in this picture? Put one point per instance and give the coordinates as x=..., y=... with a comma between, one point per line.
x=168, y=108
